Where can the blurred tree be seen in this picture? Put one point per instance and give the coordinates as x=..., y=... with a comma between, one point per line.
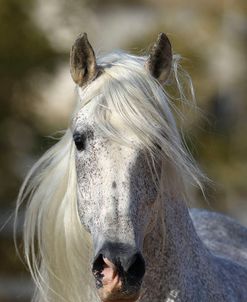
x=23, y=51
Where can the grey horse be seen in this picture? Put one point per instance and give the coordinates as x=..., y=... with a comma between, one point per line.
x=108, y=203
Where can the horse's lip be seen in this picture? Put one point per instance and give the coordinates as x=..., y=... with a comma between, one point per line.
x=112, y=284
x=118, y=297
x=117, y=293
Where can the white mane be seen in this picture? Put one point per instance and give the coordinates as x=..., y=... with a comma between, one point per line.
x=56, y=247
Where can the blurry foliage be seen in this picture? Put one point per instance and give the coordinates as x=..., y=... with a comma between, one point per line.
x=11, y=264
x=98, y=4
x=23, y=51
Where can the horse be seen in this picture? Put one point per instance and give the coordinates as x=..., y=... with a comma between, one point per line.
x=106, y=207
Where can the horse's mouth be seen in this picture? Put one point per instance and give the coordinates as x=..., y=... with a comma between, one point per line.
x=116, y=290
x=118, y=296
x=113, y=286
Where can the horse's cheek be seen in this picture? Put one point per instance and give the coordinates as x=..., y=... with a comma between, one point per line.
x=86, y=174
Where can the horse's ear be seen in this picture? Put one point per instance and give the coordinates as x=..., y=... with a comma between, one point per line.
x=160, y=59
x=83, y=67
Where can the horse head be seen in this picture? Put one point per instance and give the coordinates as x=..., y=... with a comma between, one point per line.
x=117, y=192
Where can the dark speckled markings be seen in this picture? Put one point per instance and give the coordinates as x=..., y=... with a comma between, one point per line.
x=204, y=266
x=194, y=256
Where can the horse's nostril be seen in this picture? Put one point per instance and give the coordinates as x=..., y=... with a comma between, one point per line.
x=136, y=269
x=98, y=264
x=129, y=266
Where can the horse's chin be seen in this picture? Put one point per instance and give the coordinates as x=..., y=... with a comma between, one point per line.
x=111, y=292
x=117, y=297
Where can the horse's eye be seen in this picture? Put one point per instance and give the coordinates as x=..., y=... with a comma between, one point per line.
x=80, y=140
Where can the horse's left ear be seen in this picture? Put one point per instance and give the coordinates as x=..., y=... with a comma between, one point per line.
x=160, y=59
x=83, y=67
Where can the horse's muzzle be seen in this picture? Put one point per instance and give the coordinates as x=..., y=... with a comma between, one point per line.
x=118, y=270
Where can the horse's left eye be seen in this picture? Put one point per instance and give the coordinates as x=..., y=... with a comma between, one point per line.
x=80, y=140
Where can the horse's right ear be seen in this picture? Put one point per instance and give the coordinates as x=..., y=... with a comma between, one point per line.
x=83, y=67
x=159, y=62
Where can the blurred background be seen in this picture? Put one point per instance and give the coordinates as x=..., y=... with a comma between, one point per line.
x=37, y=93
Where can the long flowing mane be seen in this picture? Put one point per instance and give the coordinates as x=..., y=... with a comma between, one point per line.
x=57, y=248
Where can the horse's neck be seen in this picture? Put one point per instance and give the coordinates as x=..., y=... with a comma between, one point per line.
x=177, y=260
